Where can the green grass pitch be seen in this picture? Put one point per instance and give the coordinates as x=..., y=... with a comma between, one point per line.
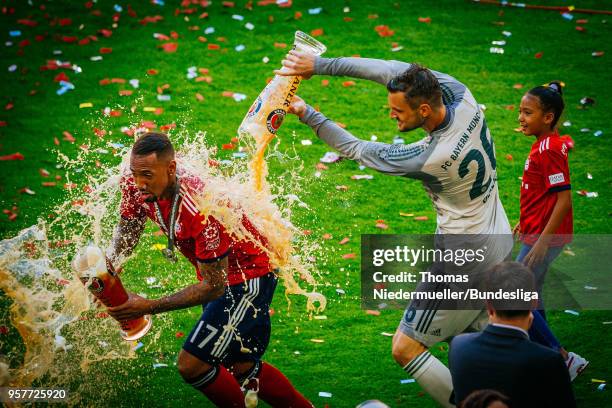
x=354, y=363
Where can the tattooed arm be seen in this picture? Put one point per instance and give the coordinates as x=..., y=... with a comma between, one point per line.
x=210, y=288
x=125, y=238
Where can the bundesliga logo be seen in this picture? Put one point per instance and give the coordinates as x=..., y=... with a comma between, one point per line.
x=255, y=107
x=275, y=120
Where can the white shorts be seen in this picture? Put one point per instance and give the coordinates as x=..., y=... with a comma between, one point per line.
x=432, y=326
x=432, y=321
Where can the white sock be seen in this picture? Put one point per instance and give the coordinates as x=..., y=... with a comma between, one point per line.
x=433, y=376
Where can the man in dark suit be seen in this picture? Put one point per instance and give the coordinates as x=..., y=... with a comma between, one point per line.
x=503, y=358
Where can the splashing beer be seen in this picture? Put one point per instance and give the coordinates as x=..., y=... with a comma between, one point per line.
x=269, y=109
x=100, y=278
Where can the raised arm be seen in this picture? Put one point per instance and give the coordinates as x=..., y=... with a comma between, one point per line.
x=380, y=71
x=306, y=65
x=376, y=70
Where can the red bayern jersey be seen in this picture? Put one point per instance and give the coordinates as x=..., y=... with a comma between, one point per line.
x=200, y=238
x=546, y=173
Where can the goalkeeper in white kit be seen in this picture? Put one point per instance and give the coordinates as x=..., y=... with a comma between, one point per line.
x=456, y=163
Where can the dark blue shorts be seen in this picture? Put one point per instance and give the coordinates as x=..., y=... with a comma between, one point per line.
x=236, y=326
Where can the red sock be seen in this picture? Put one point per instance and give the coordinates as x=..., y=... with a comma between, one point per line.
x=276, y=390
x=221, y=388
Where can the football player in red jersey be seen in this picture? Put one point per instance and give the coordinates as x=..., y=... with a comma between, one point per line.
x=546, y=222
x=236, y=281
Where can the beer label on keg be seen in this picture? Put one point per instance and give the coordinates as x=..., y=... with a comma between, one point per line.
x=275, y=120
x=291, y=92
x=255, y=107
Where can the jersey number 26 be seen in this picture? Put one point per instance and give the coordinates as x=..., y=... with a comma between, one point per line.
x=479, y=188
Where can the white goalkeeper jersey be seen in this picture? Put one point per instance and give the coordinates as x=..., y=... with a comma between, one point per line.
x=456, y=162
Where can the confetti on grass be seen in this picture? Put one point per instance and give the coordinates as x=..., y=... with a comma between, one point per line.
x=572, y=312
x=14, y=156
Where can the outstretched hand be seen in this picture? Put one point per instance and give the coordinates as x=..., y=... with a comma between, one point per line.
x=297, y=106
x=297, y=63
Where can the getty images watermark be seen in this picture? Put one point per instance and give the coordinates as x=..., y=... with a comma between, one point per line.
x=455, y=284
x=451, y=270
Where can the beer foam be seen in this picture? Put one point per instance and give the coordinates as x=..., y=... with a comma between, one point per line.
x=47, y=307
x=61, y=335
x=257, y=130
x=268, y=209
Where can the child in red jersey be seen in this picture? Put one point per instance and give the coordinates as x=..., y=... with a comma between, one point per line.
x=546, y=222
